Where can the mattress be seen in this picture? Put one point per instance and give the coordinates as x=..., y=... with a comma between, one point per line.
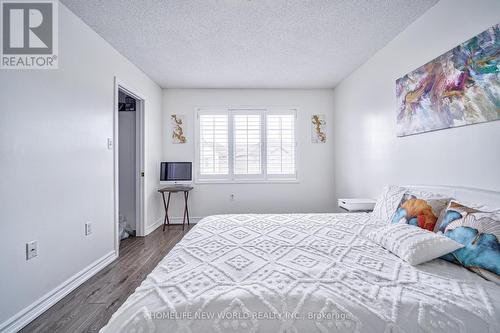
x=302, y=273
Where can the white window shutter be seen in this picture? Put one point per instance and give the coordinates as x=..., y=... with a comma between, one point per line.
x=247, y=144
x=213, y=146
x=281, y=144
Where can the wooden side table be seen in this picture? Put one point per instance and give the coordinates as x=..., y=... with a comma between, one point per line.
x=175, y=189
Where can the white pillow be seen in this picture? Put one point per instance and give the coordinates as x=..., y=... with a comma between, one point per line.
x=413, y=244
x=388, y=203
x=426, y=195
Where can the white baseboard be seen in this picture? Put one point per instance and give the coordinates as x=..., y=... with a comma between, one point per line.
x=28, y=314
x=173, y=220
x=152, y=227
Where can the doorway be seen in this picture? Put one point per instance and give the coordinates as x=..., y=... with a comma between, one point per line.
x=129, y=163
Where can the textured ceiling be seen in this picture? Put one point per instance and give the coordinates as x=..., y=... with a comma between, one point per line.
x=248, y=43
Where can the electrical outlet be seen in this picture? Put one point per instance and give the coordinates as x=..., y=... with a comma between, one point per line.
x=31, y=249
x=88, y=228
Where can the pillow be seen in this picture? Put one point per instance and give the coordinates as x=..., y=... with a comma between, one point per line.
x=426, y=195
x=412, y=244
x=419, y=209
x=479, y=232
x=387, y=203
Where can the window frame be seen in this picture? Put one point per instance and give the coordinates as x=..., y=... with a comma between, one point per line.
x=213, y=177
x=231, y=178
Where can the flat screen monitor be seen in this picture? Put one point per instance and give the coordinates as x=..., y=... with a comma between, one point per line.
x=176, y=173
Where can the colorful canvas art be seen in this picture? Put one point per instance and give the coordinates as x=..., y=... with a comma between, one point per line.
x=460, y=87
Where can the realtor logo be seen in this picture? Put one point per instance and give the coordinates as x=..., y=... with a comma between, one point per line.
x=29, y=34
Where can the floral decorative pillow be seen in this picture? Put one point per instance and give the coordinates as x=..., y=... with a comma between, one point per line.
x=479, y=232
x=419, y=211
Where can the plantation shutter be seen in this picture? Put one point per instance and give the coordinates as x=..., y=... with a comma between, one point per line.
x=247, y=144
x=281, y=144
x=214, y=144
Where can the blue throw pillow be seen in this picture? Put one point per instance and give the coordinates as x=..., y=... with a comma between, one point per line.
x=479, y=232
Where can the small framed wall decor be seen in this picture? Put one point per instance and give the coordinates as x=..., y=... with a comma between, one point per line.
x=177, y=125
x=318, y=128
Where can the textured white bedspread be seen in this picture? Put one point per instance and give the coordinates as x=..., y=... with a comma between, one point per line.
x=302, y=273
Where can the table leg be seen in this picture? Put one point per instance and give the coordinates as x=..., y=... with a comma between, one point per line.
x=186, y=212
x=166, y=219
x=165, y=207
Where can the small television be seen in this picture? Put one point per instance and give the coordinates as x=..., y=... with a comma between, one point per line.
x=175, y=173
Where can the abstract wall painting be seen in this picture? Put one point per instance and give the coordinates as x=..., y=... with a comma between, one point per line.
x=460, y=87
x=177, y=123
x=318, y=128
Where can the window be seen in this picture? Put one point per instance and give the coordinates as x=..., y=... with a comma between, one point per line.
x=214, y=147
x=280, y=144
x=246, y=145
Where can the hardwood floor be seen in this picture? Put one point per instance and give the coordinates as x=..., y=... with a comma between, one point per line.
x=89, y=307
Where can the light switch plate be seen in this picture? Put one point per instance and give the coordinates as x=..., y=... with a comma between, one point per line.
x=88, y=228
x=31, y=250
x=110, y=143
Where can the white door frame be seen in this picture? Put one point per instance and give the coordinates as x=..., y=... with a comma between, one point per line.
x=140, y=227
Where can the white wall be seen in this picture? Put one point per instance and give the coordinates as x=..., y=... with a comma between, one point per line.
x=56, y=170
x=313, y=193
x=367, y=152
x=127, y=167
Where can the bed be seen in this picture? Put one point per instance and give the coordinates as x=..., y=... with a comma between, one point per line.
x=305, y=273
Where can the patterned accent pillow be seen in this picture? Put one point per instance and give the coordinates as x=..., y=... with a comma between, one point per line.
x=419, y=210
x=479, y=232
x=412, y=244
x=387, y=203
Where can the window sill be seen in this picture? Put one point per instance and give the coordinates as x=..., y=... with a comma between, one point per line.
x=245, y=181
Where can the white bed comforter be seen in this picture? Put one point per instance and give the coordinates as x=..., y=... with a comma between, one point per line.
x=302, y=273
